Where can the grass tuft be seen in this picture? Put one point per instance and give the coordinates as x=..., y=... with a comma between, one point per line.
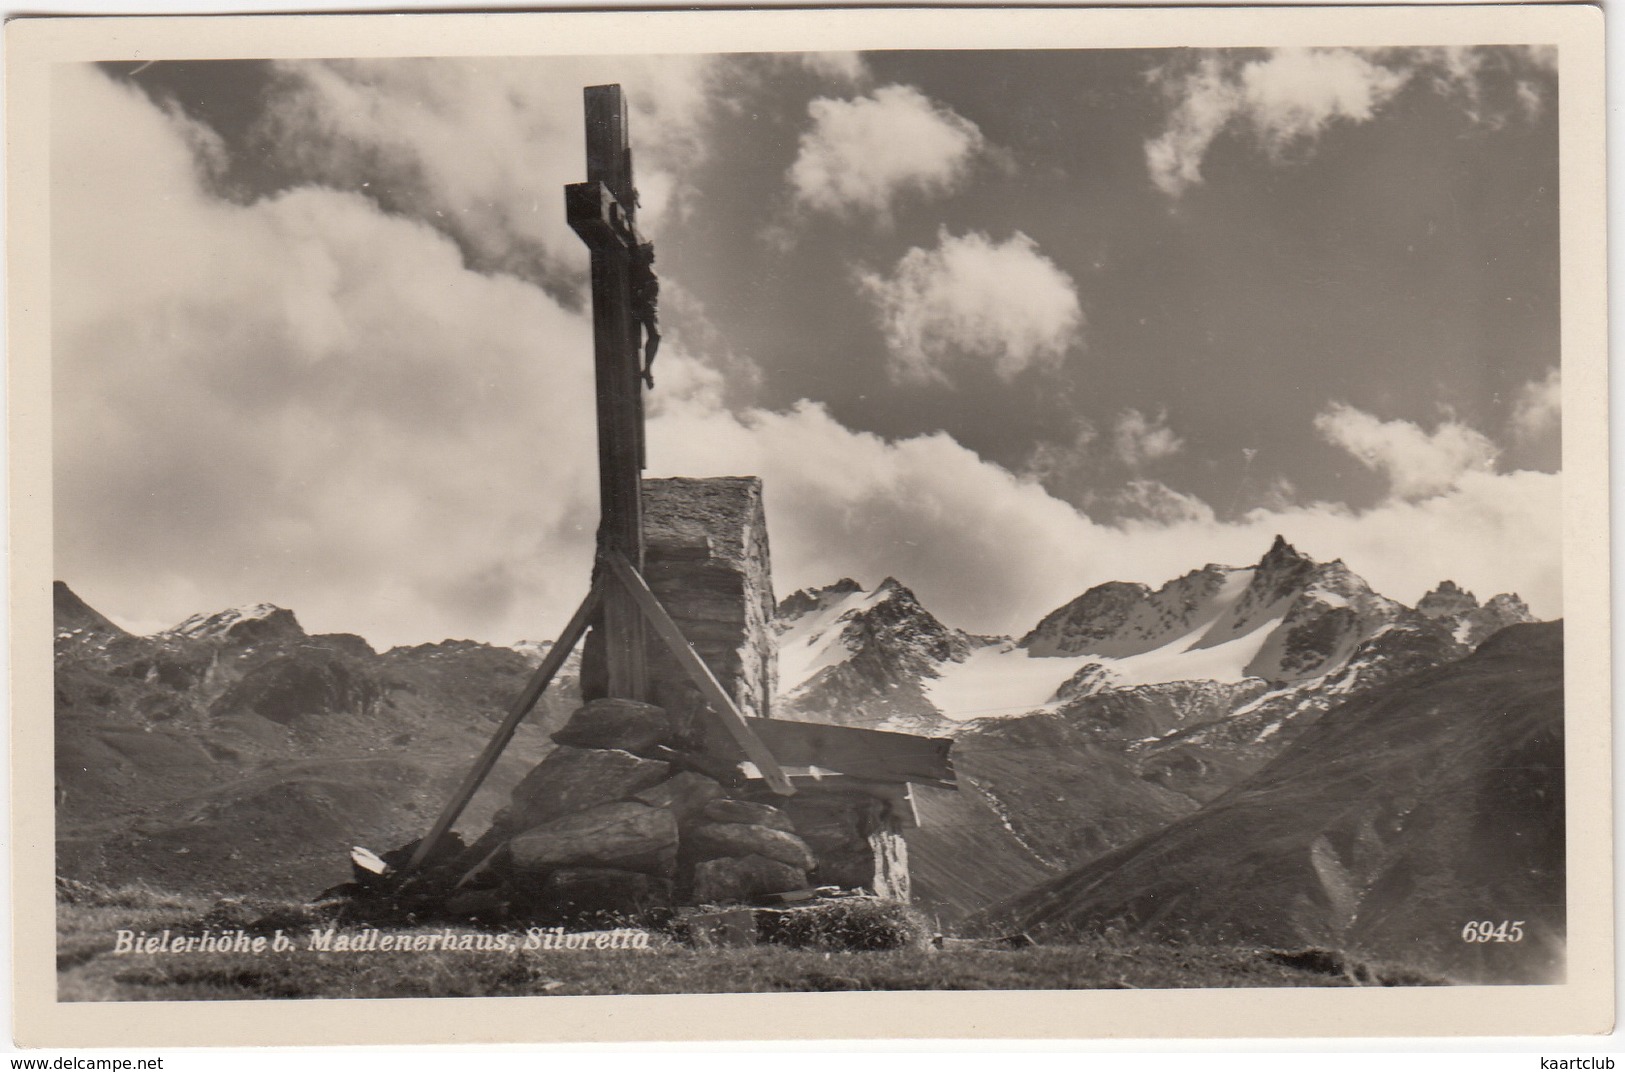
x=851, y=924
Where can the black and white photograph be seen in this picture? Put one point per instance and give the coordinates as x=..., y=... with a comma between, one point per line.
x=719, y=521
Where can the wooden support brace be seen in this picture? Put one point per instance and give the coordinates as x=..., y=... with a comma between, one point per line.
x=551, y=662
x=737, y=725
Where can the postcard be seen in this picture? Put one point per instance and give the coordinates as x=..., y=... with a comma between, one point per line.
x=1044, y=523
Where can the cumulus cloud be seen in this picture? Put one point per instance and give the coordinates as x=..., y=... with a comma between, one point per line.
x=303, y=401
x=992, y=551
x=479, y=147
x=1492, y=85
x=861, y=154
x=974, y=299
x=1537, y=412
x=312, y=402
x=1284, y=101
x=1293, y=94
x=835, y=66
x=1417, y=463
x=1151, y=500
x=1051, y=460
x=1138, y=439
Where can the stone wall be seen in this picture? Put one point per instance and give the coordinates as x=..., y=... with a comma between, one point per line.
x=707, y=558
x=855, y=835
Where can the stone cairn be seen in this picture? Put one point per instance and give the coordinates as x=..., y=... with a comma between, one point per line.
x=619, y=822
x=642, y=811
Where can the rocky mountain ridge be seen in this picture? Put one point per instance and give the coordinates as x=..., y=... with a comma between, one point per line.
x=1402, y=814
x=879, y=658
x=235, y=750
x=172, y=745
x=1074, y=762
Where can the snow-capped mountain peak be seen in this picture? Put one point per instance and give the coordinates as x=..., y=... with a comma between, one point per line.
x=810, y=600
x=859, y=656
x=1286, y=618
x=862, y=656
x=237, y=623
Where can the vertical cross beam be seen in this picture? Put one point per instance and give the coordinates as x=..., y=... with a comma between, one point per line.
x=602, y=211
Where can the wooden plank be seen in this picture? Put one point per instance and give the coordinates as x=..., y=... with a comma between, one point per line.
x=595, y=215
x=551, y=662
x=617, y=371
x=898, y=795
x=737, y=725
x=877, y=754
x=609, y=153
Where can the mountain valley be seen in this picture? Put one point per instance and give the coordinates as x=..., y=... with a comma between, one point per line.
x=235, y=752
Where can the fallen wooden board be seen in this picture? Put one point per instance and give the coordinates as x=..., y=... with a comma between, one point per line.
x=872, y=754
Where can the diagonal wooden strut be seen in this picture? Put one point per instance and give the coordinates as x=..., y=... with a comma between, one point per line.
x=737, y=725
x=551, y=662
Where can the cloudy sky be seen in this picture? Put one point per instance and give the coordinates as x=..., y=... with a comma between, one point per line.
x=1003, y=325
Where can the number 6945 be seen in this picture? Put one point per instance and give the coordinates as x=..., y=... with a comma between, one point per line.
x=1485, y=930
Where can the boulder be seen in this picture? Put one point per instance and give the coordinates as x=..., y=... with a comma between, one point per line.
x=603, y=892
x=733, y=879
x=685, y=794
x=713, y=840
x=743, y=811
x=572, y=780
x=625, y=836
x=624, y=724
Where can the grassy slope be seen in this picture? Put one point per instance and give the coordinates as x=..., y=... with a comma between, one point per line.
x=1386, y=826
x=172, y=776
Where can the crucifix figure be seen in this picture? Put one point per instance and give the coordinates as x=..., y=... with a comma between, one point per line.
x=646, y=305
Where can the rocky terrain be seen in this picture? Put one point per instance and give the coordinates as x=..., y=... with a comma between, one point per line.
x=1397, y=818
x=1119, y=712
x=879, y=658
x=235, y=753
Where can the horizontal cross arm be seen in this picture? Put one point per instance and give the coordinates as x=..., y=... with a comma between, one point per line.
x=595, y=215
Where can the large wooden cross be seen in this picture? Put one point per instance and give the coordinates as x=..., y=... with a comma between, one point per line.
x=603, y=211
